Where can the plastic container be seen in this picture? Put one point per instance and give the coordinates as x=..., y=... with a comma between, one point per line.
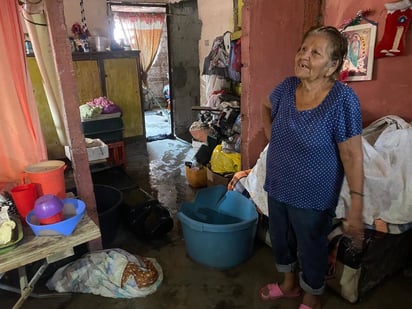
x=100, y=43
x=108, y=201
x=73, y=211
x=92, y=126
x=108, y=136
x=108, y=130
x=222, y=234
x=95, y=153
x=196, y=176
x=24, y=197
x=48, y=177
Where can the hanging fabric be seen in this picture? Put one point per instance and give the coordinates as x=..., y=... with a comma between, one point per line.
x=235, y=63
x=36, y=25
x=143, y=32
x=21, y=139
x=217, y=61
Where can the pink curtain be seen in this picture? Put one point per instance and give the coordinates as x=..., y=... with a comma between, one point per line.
x=143, y=32
x=21, y=140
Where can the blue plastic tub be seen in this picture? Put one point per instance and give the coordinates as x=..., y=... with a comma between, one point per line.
x=220, y=234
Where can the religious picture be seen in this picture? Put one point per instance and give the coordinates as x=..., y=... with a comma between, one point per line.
x=358, y=64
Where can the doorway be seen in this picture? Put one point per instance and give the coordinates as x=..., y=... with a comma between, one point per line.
x=129, y=24
x=156, y=97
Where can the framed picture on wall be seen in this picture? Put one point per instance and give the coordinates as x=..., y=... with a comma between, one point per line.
x=358, y=64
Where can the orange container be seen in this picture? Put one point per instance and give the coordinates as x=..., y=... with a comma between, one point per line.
x=24, y=197
x=48, y=177
x=196, y=176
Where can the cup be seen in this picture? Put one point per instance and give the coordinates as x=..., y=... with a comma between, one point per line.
x=24, y=197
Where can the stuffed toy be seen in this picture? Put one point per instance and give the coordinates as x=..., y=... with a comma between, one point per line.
x=396, y=26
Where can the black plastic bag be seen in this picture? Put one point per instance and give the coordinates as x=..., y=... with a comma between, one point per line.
x=144, y=215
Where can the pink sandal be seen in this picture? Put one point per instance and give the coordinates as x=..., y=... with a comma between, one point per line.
x=274, y=292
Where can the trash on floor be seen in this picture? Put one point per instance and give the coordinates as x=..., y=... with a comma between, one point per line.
x=112, y=273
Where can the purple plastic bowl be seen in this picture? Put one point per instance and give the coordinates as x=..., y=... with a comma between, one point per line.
x=47, y=206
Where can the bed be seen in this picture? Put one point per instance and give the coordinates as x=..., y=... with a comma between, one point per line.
x=387, y=213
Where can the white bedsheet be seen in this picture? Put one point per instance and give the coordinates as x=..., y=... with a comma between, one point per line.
x=387, y=145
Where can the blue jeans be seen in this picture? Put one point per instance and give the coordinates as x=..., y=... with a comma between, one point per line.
x=301, y=235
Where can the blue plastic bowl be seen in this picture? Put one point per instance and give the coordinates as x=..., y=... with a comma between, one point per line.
x=73, y=211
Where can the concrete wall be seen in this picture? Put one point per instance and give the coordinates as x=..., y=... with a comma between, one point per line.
x=184, y=34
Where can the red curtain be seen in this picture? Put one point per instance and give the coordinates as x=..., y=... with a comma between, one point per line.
x=21, y=140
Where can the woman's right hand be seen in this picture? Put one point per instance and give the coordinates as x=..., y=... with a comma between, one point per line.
x=353, y=227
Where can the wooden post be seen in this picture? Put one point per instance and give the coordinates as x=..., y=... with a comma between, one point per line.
x=61, y=51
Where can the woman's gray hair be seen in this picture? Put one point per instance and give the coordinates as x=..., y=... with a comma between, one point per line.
x=338, y=43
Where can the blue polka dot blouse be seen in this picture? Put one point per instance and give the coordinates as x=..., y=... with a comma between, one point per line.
x=303, y=167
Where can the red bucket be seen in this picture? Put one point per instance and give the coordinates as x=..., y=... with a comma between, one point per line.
x=24, y=197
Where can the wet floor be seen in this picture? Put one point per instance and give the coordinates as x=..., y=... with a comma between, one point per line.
x=158, y=168
x=157, y=123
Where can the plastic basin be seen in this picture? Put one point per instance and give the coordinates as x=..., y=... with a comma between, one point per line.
x=73, y=211
x=219, y=235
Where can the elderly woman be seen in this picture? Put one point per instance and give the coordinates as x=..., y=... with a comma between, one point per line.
x=314, y=126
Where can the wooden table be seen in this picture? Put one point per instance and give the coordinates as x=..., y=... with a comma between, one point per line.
x=47, y=248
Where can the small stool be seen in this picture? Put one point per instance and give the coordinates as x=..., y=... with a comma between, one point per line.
x=117, y=154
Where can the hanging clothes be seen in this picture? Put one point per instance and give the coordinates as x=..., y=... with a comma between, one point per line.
x=21, y=138
x=216, y=63
x=235, y=63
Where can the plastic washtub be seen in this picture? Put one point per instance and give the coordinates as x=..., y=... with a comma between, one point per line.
x=222, y=234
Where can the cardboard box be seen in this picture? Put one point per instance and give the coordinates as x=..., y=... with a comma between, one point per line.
x=214, y=179
x=100, y=152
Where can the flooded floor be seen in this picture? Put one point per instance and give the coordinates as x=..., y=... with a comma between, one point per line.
x=157, y=123
x=158, y=168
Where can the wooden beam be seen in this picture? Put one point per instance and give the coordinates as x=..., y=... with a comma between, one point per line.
x=62, y=55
